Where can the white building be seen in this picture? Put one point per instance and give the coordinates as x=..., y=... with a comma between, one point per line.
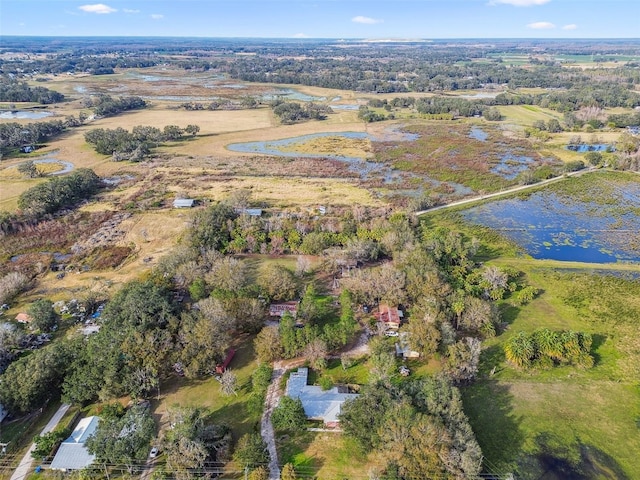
x=318, y=404
x=72, y=454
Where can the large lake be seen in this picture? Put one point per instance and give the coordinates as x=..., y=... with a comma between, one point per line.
x=550, y=226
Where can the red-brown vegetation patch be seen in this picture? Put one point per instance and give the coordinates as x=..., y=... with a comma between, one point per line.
x=106, y=257
x=447, y=152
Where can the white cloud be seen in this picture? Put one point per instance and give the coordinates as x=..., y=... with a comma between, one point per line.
x=128, y=10
x=541, y=25
x=519, y=3
x=157, y=16
x=365, y=20
x=301, y=35
x=99, y=8
x=571, y=26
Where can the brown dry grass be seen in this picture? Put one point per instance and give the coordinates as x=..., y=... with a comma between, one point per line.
x=151, y=235
x=210, y=122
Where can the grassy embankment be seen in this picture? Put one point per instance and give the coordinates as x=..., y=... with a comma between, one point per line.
x=564, y=420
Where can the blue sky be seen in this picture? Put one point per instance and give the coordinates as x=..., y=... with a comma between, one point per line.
x=374, y=19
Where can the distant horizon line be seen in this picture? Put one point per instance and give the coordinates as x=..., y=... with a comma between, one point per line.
x=369, y=39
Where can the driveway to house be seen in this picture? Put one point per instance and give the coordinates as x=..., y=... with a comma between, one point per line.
x=271, y=402
x=266, y=428
x=24, y=469
x=361, y=347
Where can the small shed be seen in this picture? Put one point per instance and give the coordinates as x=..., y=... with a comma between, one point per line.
x=3, y=413
x=278, y=309
x=23, y=318
x=403, y=349
x=222, y=367
x=183, y=203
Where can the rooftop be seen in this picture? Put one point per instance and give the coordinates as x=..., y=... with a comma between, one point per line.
x=72, y=454
x=183, y=202
x=318, y=404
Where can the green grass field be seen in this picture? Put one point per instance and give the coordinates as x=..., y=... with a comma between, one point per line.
x=564, y=421
x=206, y=393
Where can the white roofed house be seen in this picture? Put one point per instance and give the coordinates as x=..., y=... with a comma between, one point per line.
x=72, y=454
x=318, y=404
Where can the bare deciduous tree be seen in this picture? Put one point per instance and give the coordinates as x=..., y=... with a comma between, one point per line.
x=229, y=383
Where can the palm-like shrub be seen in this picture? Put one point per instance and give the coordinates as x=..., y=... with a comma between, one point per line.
x=520, y=350
x=545, y=348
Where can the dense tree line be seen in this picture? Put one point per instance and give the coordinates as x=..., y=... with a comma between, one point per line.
x=417, y=428
x=137, y=144
x=600, y=95
x=294, y=112
x=122, y=437
x=78, y=62
x=106, y=106
x=56, y=193
x=14, y=135
x=32, y=380
x=16, y=91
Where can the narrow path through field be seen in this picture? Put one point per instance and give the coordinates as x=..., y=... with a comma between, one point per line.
x=508, y=191
x=24, y=469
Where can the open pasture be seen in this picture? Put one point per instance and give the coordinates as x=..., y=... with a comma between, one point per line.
x=525, y=115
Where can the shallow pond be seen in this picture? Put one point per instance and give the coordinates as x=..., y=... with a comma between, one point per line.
x=24, y=114
x=478, y=134
x=57, y=256
x=549, y=226
x=511, y=165
x=66, y=166
x=290, y=94
x=282, y=147
x=346, y=107
x=286, y=147
x=596, y=147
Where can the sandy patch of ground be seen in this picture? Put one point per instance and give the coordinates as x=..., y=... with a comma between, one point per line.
x=152, y=235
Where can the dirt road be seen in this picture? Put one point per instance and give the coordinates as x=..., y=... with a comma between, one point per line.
x=266, y=428
x=509, y=191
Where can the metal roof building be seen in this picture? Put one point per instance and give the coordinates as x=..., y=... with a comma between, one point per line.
x=183, y=203
x=318, y=404
x=72, y=454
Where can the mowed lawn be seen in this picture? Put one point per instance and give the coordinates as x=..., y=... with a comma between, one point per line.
x=525, y=115
x=565, y=413
x=324, y=455
x=206, y=393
